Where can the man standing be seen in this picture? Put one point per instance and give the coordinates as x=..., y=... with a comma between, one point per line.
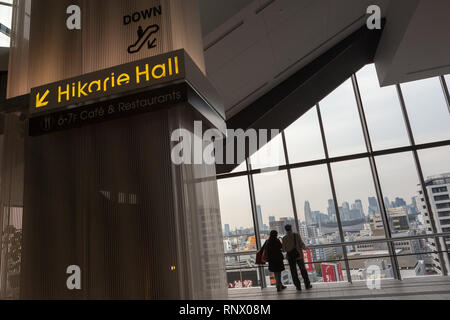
x=293, y=245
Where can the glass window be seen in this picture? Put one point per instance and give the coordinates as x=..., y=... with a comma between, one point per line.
x=383, y=112
x=4, y=40
x=354, y=187
x=315, y=210
x=443, y=214
x=237, y=218
x=416, y=258
x=240, y=168
x=241, y=271
x=304, y=140
x=328, y=272
x=439, y=190
x=442, y=198
x=435, y=162
x=401, y=185
x=436, y=170
x=6, y=13
x=341, y=122
x=323, y=265
x=364, y=269
x=368, y=259
x=274, y=203
x=5, y=20
x=427, y=109
x=271, y=155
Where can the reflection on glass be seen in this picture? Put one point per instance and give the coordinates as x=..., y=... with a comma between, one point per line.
x=236, y=211
x=427, y=110
x=304, y=140
x=271, y=155
x=318, y=224
x=341, y=121
x=436, y=170
x=274, y=204
x=358, y=204
x=383, y=112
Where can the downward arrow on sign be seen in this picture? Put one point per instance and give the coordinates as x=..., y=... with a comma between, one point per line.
x=40, y=101
x=152, y=44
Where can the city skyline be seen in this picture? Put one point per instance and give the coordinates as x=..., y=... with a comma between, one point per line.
x=408, y=203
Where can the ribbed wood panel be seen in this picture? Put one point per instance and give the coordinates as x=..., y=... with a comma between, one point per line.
x=11, y=198
x=19, y=50
x=107, y=198
x=45, y=51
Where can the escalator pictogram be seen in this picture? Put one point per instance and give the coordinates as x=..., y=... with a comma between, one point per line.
x=145, y=37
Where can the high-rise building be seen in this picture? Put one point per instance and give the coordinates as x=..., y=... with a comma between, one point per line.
x=304, y=231
x=227, y=230
x=308, y=214
x=373, y=205
x=438, y=189
x=387, y=202
x=345, y=211
x=259, y=216
x=359, y=206
x=331, y=210
x=399, y=202
x=376, y=224
x=398, y=219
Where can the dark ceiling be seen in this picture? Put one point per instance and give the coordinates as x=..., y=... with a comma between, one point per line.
x=216, y=12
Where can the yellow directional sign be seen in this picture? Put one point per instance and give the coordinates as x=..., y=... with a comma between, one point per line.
x=40, y=100
x=97, y=85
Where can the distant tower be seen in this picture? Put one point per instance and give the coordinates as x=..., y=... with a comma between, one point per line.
x=359, y=206
x=308, y=215
x=259, y=216
x=227, y=230
x=331, y=210
x=373, y=205
x=387, y=202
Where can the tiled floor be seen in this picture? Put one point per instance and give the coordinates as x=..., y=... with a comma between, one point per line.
x=426, y=288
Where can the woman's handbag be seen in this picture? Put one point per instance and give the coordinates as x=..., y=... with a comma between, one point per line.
x=261, y=255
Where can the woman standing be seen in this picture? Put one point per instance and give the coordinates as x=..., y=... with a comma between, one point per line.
x=275, y=258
